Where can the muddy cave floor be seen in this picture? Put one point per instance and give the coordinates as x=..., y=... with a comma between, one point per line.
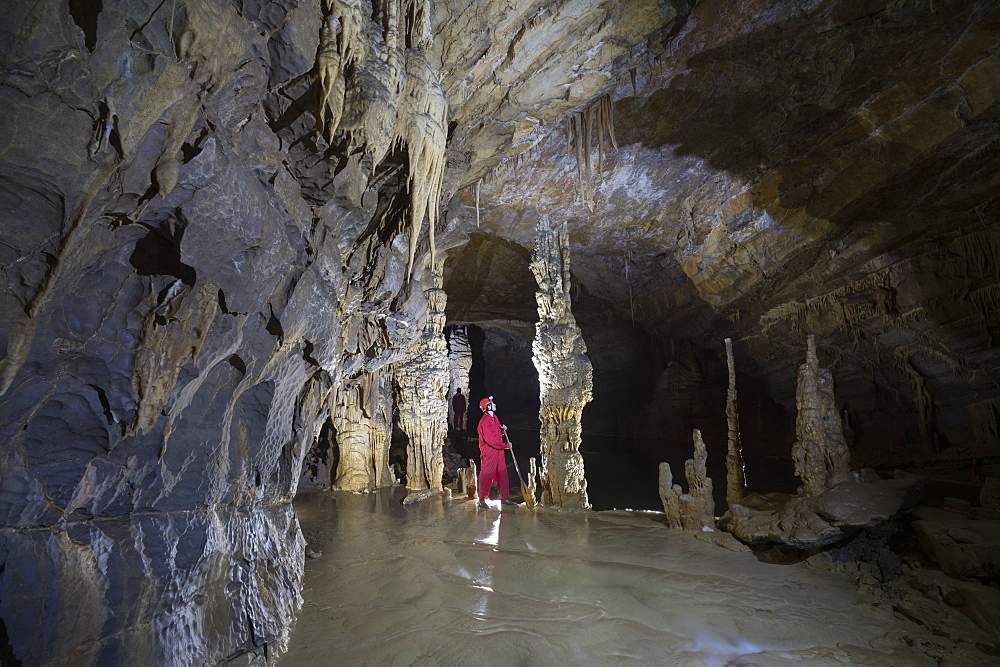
x=443, y=582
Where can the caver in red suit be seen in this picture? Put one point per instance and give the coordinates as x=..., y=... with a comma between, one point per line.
x=491, y=449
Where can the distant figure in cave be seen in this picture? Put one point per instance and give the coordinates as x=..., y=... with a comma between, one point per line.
x=491, y=451
x=458, y=405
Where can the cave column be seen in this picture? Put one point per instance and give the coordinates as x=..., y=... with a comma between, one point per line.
x=459, y=365
x=822, y=459
x=422, y=382
x=360, y=413
x=736, y=483
x=565, y=375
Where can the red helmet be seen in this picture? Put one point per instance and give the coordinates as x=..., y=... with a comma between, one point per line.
x=485, y=402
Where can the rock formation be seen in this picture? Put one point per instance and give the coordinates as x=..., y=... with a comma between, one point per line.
x=808, y=522
x=422, y=399
x=361, y=415
x=216, y=217
x=821, y=457
x=565, y=376
x=459, y=364
x=693, y=511
x=736, y=483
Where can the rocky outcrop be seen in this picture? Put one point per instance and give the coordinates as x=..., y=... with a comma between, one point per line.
x=565, y=376
x=422, y=382
x=807, y=522
x=821, y=457
x=962, y=548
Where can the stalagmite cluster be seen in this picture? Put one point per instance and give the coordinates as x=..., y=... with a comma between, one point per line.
x=736, y=483
x=565, y=375
x=361, y=414
x=822, y=459
x=422, y=382
x=695, y=510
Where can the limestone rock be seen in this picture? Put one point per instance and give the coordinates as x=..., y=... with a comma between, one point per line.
x=963, y=548
x=822, y=459
x=422, y=382
x=816, y=521
x=565, y=375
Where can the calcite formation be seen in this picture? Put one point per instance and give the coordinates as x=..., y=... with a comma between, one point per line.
x=565, y=376
x=422, y=382
x=822, y=459
x=459, y=365
x=361, y=415
x=693, y=511
x=736, y=483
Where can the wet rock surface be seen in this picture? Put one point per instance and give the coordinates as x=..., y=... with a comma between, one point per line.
x=454, y=583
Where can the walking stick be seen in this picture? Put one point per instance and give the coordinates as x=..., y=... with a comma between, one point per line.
x=529, y=497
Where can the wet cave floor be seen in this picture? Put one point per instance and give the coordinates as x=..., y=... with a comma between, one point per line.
x=443, y=582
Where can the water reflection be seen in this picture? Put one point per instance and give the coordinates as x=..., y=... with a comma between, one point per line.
x=192, y=587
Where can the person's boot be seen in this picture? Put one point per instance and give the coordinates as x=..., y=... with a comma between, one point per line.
x=507, y=501
x=482, y=503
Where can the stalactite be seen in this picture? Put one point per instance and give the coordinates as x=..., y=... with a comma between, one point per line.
x=422, y=382
x=736, y=484
x=822, y=459
x=580, y=139
x=422, y=126
x=565, y=375
x=478, y=184
x=394, y=96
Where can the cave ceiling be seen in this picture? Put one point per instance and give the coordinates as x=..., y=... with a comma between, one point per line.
x=780, y=169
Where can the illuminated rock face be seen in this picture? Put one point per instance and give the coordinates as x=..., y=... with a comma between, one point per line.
x=565, y=376
x=422, y=399
x=821, y=457
x=459, y=364
x=361, y=414
x=695, y=510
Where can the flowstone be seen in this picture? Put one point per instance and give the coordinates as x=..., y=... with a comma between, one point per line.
x=422, y=398
x=822, y=459
x=565, y=375
x=361, y=413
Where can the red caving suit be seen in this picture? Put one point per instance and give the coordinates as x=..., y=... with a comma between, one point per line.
x=493, y=464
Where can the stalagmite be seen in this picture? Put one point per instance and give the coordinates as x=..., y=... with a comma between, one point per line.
x=422, y=397
x=360, y=415
x=822, y=459
x=533, y=476
x=565, y=375
x=736, y=483
x=459, y=364
x=693, y=511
